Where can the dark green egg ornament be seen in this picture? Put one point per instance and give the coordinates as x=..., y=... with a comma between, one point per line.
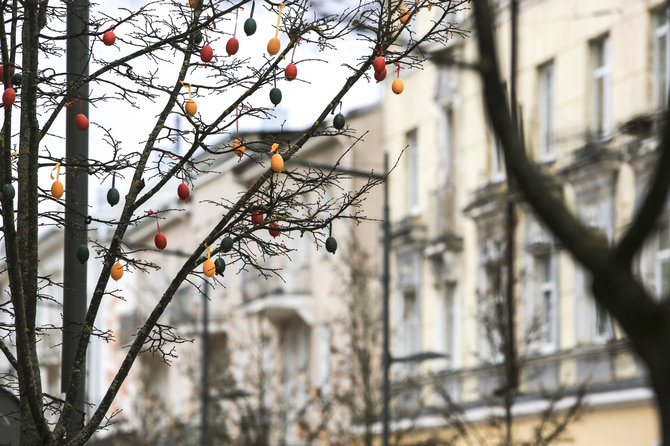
x=331, y=245
x=82, y=254
x=113, y=196
x=16, y=80
x=275, y=95
x=220, y=266
x=249, y=26
x=338, y=122
x=227, y=244
x=8, y=192
x=197, y=38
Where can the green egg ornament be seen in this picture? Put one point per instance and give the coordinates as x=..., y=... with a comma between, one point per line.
x=338, y=122
x=249, y=26
x=331, y=245
x=113, y=196
x=82, y=254
x=16, y=80
x=275, y=95
x=220, y=266
x=8, y=192
x=227, y=244
x=198, y=37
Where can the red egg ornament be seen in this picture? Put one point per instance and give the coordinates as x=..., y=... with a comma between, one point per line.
x=232, y=46
x=206, y=53
x=183, y=192
x=82, y=122
x=8, y=97
x=109, y=38
x=257, y=217
x=160, y=241
x=379, y=64
x=291, y=72
x=274, y=229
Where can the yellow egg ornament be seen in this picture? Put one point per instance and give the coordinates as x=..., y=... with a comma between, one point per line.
x=238, y=147
x=277, y=161
x=397, y=86
x=209, y=267
x=274, y=44
x=191, y=107
x=57, y=188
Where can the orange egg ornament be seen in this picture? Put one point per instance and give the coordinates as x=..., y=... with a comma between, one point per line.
x=193, y=3
x=209, y=268
x=277, y=162
x=273, y=46
x=57, y=189
x=117, y=271
x=191, y=107
x=404, y=15
x=238, y=148
x=398, y=86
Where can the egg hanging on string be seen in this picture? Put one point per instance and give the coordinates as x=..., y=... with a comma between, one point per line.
x=117, y=271
x=109, y=38
x=57, y=189
x=232, y=46
x=227, y=244
x=191, y=107
x=82, y=254
x=274, y=229
x=183, y=191
x=398, y=86
x=8, y=192
x=291, y=72
x=206, y=53
x=331, y=245
x=219, y=266
x=339, y=121
x=249, y=26
x=81, y=121
x=113, y=196
x=275, y=95
x=273, y=46
x=8, y=97
x=160, y=241
x=209, y=268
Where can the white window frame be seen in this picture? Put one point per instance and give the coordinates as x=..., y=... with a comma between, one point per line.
x=547, y=110
x=661, y=24
x=601, y=73
x=412, y=177
x=548, y=336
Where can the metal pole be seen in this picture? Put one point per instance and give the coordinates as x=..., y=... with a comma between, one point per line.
x=205, y=369
x=76, y=204
x=386, y=355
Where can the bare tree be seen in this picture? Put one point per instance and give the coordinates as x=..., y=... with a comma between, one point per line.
x=644, y=319
x=34, y=34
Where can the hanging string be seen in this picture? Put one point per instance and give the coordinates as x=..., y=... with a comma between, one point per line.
x=189, y=89
x=150, y=212
x=57, y=169
x=75, y=100
x=297, y=41
x=398, y=69
x=253, y=6
x=281, y=6
x=237, y=11
x=209, y=251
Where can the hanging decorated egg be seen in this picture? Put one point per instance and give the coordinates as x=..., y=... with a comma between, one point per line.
x=113, y=196
x=209, y=268
x=183, y=191
x=290, y=72
x=8, y=192
x=238, y=147
x=331, y=245
x=404, y=15
x=197, y=37
x=109, y=38
x=398, y=86
x=219, y=266
x=232, y=46
x=274, y=229
x=226, y=244
x=277, y=161
x=380, y=75
x=379, y=64
x=206, y=53
x=17, y=78
x=191, y=107
x=160, y=241
x=249, y=26
x=82, y=254
x=273, y=46
x=193, y=3
x=257, y=217
x=338, y=121
x=57, y=189
x=81, y=121
x=8, y=97
x=117, y=271
x=275, y=95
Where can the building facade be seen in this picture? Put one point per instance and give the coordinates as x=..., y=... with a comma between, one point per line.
x=592, y=79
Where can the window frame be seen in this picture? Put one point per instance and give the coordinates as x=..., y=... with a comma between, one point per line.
x=412, y=170
x=547, y=110
x=661, y=31
x=601, y=130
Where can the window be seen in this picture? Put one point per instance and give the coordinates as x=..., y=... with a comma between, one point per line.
x=412, y=172
x=447, y=144
x=408, y=303
x=497, y=160
x=410, y=324
x=547, y=111
x=446, y=332
x=296, y=356
x=661, y=58
x=663, y=260
x=545, y=306
x=601, y=87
